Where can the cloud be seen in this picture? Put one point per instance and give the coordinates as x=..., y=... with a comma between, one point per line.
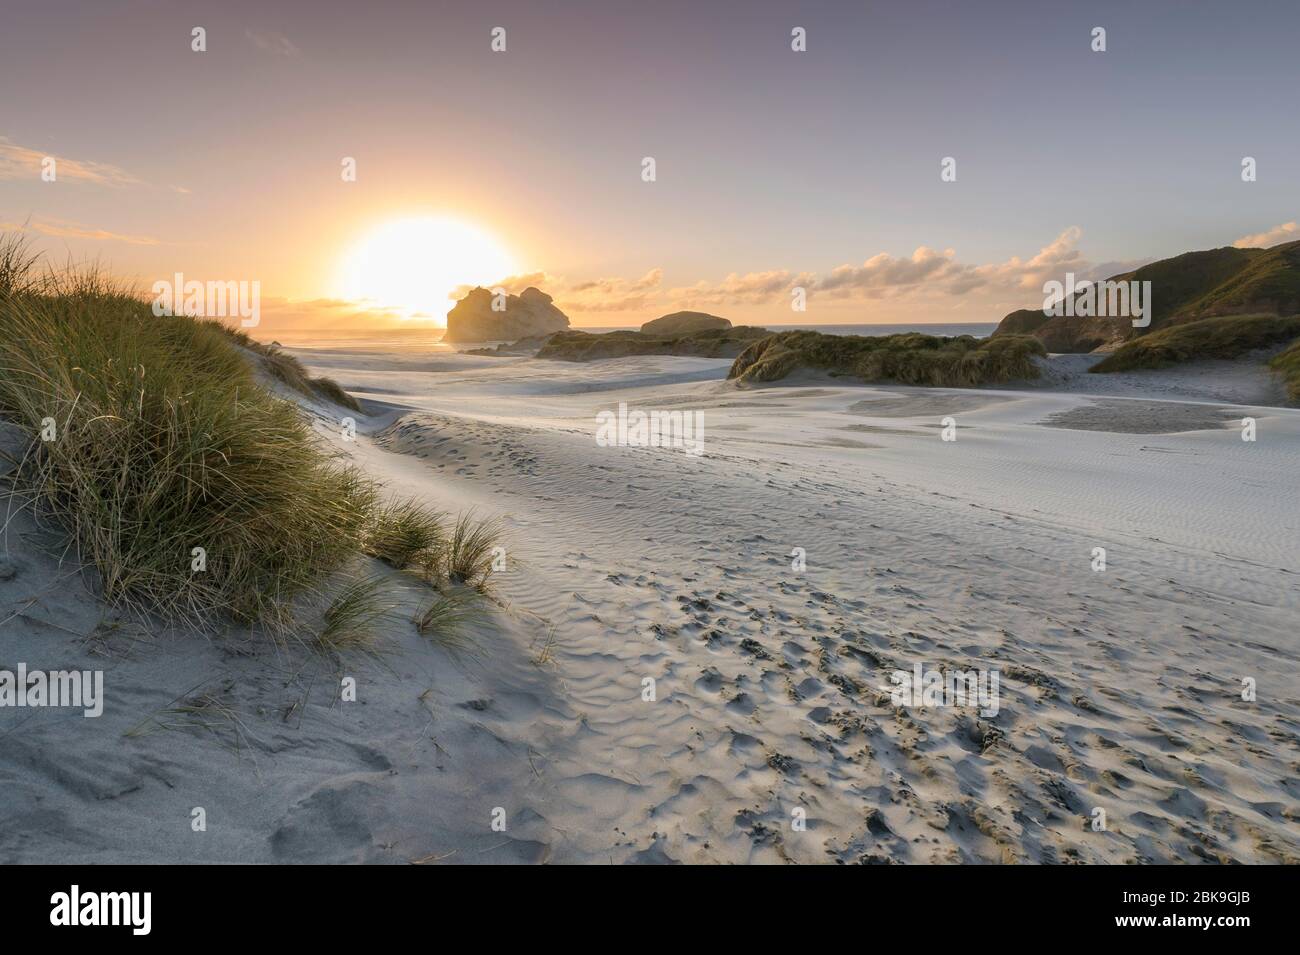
x=63, y=228
x=21, y=162
x=513, y=284
x=1285, y=232
x=612, y=294
x=934, y=278
x=925, y=273
x=885, y=272
x=276, y=43
x=751, y=288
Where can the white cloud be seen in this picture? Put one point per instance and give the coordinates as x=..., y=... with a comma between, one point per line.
x=1286, y=232
x=63, y=228
x=276, y=43
x=22, y=162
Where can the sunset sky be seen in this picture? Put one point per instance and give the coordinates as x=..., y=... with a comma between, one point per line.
x=774, y=168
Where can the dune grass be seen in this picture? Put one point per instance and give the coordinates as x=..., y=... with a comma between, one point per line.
x=1228, y=336
x=189, y=487
x=352, y=616
x=407, y=534
x=911, y=358
x=471, y=550
x=193, y=491
x=445, y=618
x=288, y=370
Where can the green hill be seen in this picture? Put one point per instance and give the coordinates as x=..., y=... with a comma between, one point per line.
x=1184, y=288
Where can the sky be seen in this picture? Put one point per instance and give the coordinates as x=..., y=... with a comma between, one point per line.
x=774, y=169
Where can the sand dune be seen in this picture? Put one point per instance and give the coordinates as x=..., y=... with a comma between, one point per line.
x=1120, y=689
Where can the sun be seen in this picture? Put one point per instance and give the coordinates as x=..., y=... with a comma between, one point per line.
x=413, y=265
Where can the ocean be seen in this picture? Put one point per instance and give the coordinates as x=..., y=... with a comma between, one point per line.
x=430, y=338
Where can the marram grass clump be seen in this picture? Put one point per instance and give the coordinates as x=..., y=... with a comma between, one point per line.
x=188, y=487
x=194, y=492
x=407, y=534
x=472, y=550
x=353, y=616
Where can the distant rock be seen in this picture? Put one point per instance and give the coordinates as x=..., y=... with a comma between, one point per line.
x=527, y=315
x=683, y=323
x=521, y=348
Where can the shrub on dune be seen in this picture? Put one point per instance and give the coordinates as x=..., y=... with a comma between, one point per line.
x=911, y=358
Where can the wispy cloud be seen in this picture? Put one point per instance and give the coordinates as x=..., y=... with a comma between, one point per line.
x=928, y=276
x=22, y=162
x=276, y=43
x=612, y=294
x=63, y=228
x=926, y=272
x=1285, y=232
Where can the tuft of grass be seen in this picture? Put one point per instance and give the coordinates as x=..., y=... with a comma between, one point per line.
x=407, y=534
x=445, y=617
x=332, y=391
x=205, y=710
x=164, y=443
x=546, y=655
x=352, y=615
x=911, y=358
x=18, y=273
x=1227, y=336
x=469, y=552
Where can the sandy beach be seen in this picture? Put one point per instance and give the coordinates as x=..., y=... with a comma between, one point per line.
x=688, y=658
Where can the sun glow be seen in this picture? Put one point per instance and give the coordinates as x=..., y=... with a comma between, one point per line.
x=413, y=265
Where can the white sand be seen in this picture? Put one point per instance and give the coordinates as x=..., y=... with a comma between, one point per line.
x=1120, y=689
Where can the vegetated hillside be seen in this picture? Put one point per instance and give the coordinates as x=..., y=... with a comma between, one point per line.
x=1184, y=288
x=574, y=345
x=1225, y=336
x=911, y=358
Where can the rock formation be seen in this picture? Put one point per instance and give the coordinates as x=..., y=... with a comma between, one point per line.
x=524, y=316
x=683, y=323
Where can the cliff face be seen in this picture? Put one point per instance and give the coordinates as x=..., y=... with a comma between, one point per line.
x=526, y=315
